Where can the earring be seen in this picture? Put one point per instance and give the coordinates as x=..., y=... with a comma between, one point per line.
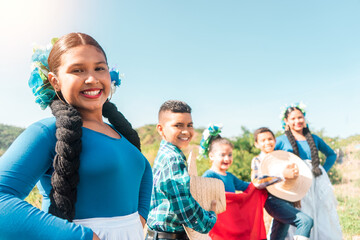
x=56, y=92
x=112, y=89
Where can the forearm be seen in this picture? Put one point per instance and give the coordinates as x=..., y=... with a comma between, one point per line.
x=263, y=181
x=192, y=215
x=145, y=192
x=330, y=160
x=20, y=220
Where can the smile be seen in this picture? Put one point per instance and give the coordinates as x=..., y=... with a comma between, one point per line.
x=184, y=139
x=92, y=93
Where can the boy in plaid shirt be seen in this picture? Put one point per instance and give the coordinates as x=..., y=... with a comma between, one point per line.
x=172, y=205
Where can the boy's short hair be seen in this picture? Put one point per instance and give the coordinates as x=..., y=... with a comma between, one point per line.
x=262, y=130
x=175, y=106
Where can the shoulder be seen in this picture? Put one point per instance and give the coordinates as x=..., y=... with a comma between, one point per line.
x=281, y=138
x=322, y=145
x=317, y=138
x=46, y=123
x=231, y=176
x=169, y=159
x=46, y=127
x=281, y=142
x=319, y=141
x=169, y=156
x=255, y=159
x=209, y=173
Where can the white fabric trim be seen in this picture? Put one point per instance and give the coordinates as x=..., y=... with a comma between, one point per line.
x=127, y=227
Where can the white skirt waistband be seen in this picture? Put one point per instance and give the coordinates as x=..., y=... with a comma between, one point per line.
x=110, y=222
x=127, y=227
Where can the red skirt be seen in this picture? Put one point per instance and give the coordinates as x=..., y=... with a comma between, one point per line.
x=243, y=218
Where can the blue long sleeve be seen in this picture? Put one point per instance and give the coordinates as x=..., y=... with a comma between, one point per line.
x=230, y=181
x=282, y=143
x=115, y=180
x=240, y=185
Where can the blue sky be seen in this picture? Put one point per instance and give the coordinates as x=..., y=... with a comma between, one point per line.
x=234, y=62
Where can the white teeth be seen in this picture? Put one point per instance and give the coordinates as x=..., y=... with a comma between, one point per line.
x=184, y=139
x=92, y=93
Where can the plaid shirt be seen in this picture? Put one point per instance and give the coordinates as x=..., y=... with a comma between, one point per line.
x=171, y=202
x=262, y=181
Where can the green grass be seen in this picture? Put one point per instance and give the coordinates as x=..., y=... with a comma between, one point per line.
x=349, y=214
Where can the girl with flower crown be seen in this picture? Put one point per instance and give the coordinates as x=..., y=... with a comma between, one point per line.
x=243, y=218
x=94, y=180
x=320, y=202
x=219, y=150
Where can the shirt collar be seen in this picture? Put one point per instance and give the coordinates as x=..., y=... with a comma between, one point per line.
x=262, y=155
x=172, y=147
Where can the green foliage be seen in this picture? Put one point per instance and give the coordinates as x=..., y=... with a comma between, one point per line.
x=203, y=165
x=150, y=141
x=7, y=135
x=244, y=152
x=334, y=174
x=34, y=198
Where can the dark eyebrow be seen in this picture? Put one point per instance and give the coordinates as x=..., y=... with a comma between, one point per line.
x=102, y=62
x=76, y=65
x=81, y=64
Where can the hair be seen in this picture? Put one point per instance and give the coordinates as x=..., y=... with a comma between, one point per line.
x=219, y=140
x=65, y=177
x=175, y=106
x=66, y=42
x=262, y=130
x=315, y=160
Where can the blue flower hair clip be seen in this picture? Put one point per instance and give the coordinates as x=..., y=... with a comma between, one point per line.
x=299, y=105
x=43, y=91
x=115, y=79
x=208, y=134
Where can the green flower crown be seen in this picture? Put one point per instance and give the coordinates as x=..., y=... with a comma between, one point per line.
x=208, y=134
x=299, y=105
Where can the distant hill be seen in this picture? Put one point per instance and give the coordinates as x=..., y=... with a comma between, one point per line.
x=150, y=139
x=7, y=135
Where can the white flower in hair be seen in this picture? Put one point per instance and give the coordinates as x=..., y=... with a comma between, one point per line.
x=302, y=106
x=206, y=134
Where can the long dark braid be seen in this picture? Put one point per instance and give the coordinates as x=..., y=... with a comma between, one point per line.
x=65, y=177
x=292, y=141
x=315, y=160
x=120, y=123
